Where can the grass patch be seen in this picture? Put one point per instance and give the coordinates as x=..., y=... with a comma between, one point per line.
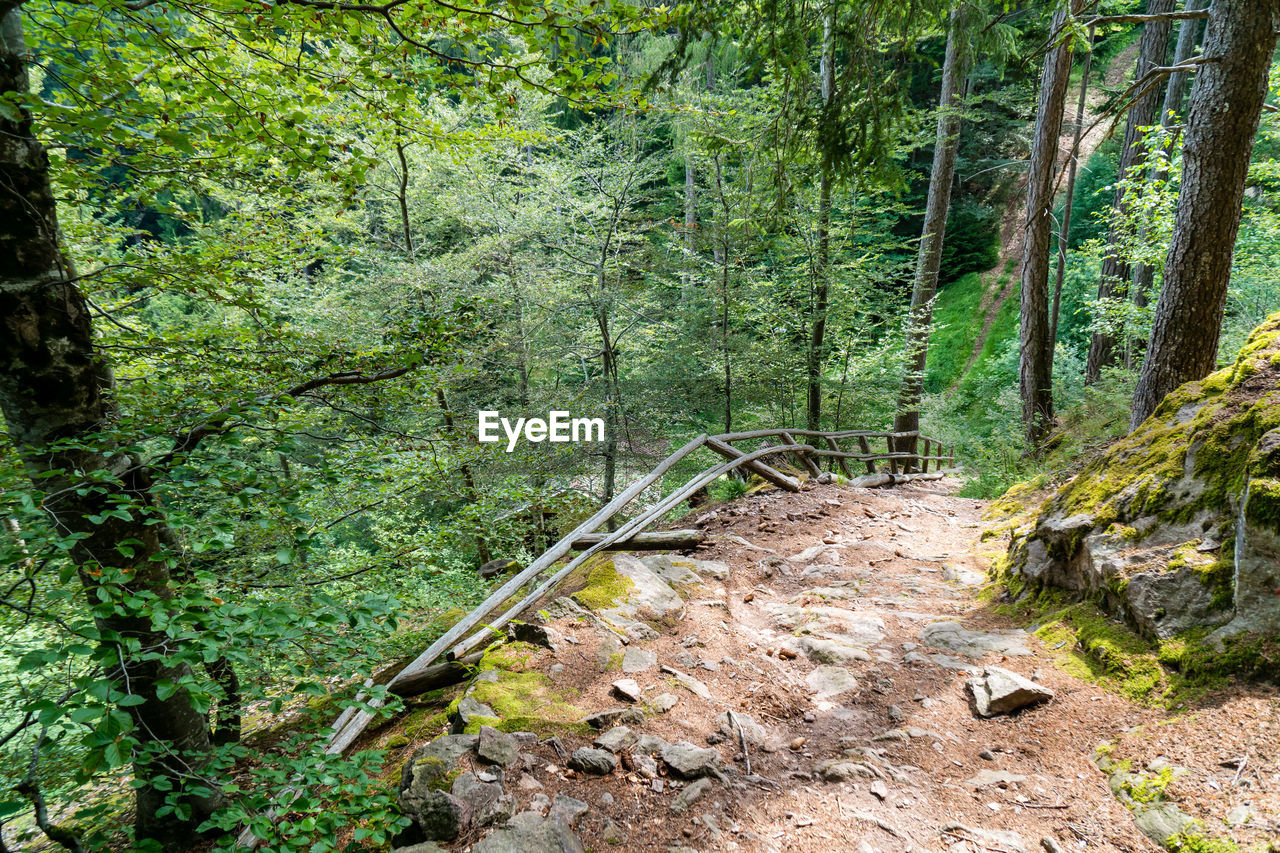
x=957, y=321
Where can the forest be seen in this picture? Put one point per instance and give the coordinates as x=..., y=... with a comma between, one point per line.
x=265, y=265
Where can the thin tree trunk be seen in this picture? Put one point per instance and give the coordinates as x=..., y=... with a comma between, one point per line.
x=1064, y=229
x=1116, y=272
x=1174, y=95
x=402, y=196
x=609, y=369
x=468, y=478
x=1035, y=370
x=929, y=255
x=817, y=339
x=1226, y=104
x=56, y=396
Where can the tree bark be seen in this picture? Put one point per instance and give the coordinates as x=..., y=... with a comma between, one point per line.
x=1174, y=94
x=1116, y=272
x=817, y=338
x=1226, y=104
x=1064, y=229
x=929, y=255
x=1035, y=369
x=56, y=396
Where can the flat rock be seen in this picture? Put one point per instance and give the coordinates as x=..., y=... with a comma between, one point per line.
x=688, y=682
x=822, y=650
x=497, y=747
x=983, y=778
x=1011, y=842
x=663, y=702
x=650, y=593
x=690, y=761
x=690, y=795
x=469, y=710
x=740, y=727
x=647, y=744
x=673, y=570
x=603, y=719
x=954, y=637
x=617, y=739
x=827, y=682
x=424, y=847
x=999, y=691
x=598, y=762
x=961, y=575
x=635, y=659
x=1161, y=821
x=567, y=809
x=530, y=832
x=627, y=689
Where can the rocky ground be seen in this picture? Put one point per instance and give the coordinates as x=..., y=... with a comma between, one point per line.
x=813, y=679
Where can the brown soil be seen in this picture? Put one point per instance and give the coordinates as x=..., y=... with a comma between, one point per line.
x=896, y=544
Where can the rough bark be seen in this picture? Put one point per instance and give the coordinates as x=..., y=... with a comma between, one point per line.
x=817, y=338
x=1035, y=369
x=1116, y=272
x=56, y=396
x=1174, y=95
x=1073, y=166
x=929, y=253
x=1226, y=104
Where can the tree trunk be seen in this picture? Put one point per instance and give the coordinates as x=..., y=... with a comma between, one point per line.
x=929, y=255
x=1174, y=94
x=609, y=369
x=1064, y=229
x=1226, y=104
x=1035, y=370
x=1116, y=272
x=56, y=396
x=817, y=338
x=483, y=554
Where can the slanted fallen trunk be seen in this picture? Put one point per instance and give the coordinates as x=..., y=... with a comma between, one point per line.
x=660, y=540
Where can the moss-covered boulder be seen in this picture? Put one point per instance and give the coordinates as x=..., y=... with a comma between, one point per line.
x=1177, y=526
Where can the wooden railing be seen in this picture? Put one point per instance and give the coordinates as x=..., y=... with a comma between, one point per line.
x=477, y=627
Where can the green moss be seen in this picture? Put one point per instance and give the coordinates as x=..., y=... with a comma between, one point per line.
x=1194, y=842
x=1263, y=507
x=513, y=656
x=1147, y=789
x=601, y=585
x=527, y=699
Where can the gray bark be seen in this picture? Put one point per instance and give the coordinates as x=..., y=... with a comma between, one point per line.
x=817, y=339
x=1226, y=104
x=929, y=253
x=1073, y=166
x=1035, y=368
x=1116, y=272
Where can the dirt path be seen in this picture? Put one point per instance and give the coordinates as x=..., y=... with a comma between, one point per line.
x=844, y=623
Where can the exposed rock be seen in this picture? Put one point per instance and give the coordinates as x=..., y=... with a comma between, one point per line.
x=612, y=833
x=983, y=778
x=954, y=637
x=650, y=594
x=646, y=766
x=497, y=747
x=880, y=790
x=663, y=702
x=627, y=689
x=438, y=815
x=488, y=802
x=961, y=575
x=433, y=762
x=603, y=719
x=632, y=717
x=999, y=691
x=617, y=739
x=753, y=732
x=1160, y=821
x=690, y=761
x=471, y=711
x=822, y=650
x=595, y=761
x=493, y=568
x=537, y=635
x=636, y=659
x=827, y=682
x=693, y=685
x=647, y=744
x=1257, y=552
x=673, y=570
x=530, y=832
x=424, y=847
x=567, y=809
x=1011, y=842
x=690, y=795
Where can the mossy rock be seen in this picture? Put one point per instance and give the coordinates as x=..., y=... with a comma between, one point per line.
x=598, y=585
x=1148, y=529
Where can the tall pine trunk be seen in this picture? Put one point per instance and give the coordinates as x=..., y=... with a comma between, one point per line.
x=1035, y=367
x=816, y=359
x=1116, y=272
x=1226, y=104
x=929, y=254
x=56, y=394
x=1073, y=167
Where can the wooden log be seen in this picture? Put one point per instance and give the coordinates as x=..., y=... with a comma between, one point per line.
x=924, y=459
x=755, y=466
x=657, y=511
x=893, y=455
x=437, y=676
x=658, y=540
x=844, y=464
x=808, y=433
x=805, y=460
x=348, y=729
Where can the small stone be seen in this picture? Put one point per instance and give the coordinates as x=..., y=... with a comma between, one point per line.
x=606, y=799
x=537, y=635
x=497, y=747
x=568, y=809
x=987, y=755
x=736, y=726
x=636, y=659
x=895, y=714
x=809, y=716
x=627, y=689
x=880, y=790
x=687, y=660
x=528, y=783
x=612, y=833
x=596, y=761
x=690, y=795
x=603, y=719
x=688, y=760
x=648, y=744
x=616, y=739
x=646, y=766
x=1160, y=821
x=999, y=691
x=663, y=702
x=983, y=778
x=632, y=717
x=556, y=670
x=797, y=744
x=657, y=785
